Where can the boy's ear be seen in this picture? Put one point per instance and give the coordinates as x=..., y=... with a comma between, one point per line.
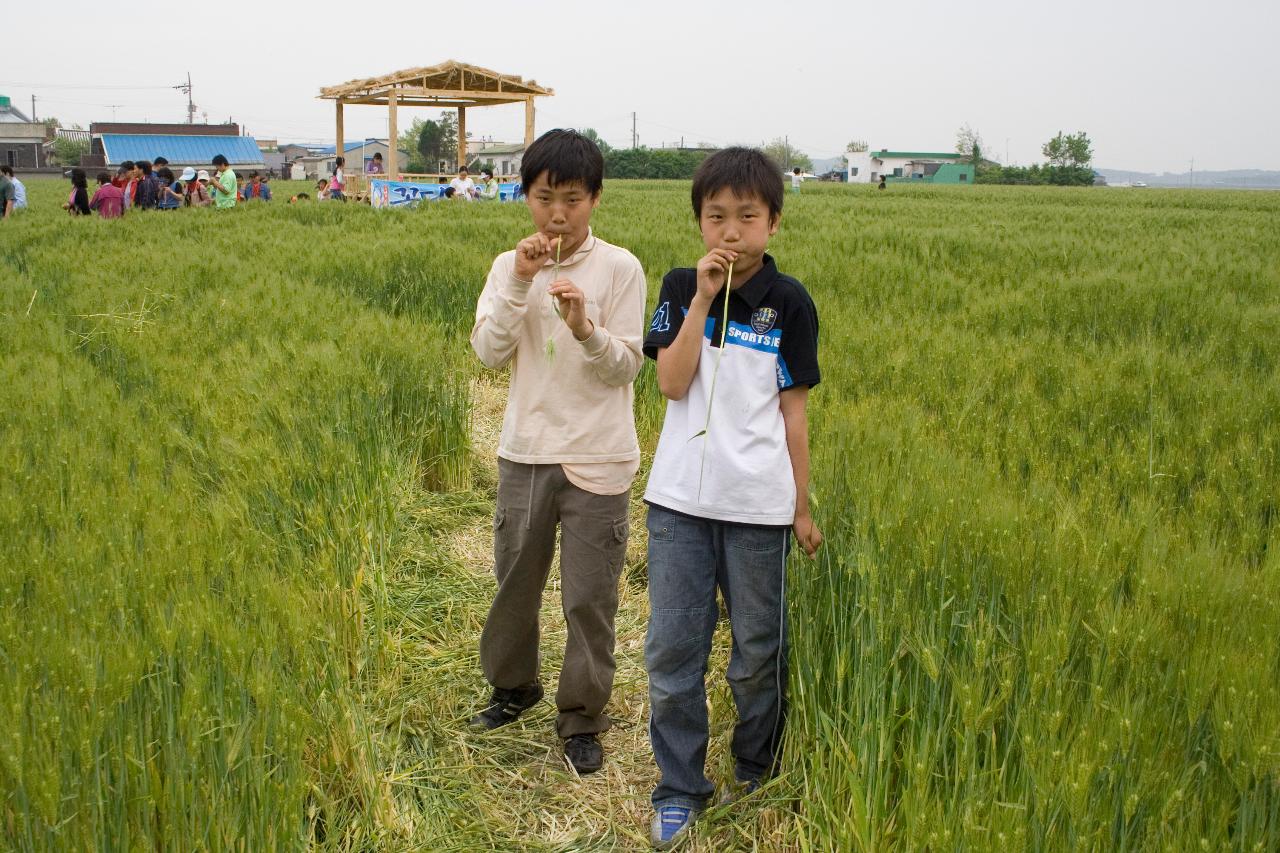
x=774, y=221
x=595, y=199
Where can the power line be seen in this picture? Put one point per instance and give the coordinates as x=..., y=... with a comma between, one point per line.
x=74, y=86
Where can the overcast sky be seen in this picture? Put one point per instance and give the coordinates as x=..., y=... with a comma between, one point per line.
x=1153, y=84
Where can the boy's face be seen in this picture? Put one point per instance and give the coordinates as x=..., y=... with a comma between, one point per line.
x=742, y=225
x=561, y=211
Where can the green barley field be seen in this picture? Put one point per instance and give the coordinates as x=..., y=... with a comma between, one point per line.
x=246, y=477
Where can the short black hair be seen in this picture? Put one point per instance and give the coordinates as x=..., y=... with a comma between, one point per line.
x=127, y=165
x=450, y=192
x=7, y=169
x=164, y=173
x=103, y=177
x=567, y=157
x=145, y=166
x=746, y=171
x=160, y=161
x=377, y=155
x=220, y=160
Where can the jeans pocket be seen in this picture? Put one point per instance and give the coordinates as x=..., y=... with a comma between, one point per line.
x=661, y=529
x=759, y=539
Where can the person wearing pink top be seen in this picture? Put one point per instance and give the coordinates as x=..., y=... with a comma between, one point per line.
x=108, y=200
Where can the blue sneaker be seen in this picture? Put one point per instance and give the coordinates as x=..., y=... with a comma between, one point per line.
x=669, y=823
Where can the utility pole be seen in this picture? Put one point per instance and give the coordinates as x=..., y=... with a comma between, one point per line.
x=114, y=107
x=33, y=109
x=1193, y=171
x=633, y=130
x=185, y=88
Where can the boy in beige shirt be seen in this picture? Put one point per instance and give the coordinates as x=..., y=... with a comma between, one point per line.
x=565, y=310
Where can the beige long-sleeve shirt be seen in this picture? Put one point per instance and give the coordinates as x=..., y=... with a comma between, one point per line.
x=570, y=402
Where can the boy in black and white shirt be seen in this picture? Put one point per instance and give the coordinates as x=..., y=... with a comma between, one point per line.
x=729, y=482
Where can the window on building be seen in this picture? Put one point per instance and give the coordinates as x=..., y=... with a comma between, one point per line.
x=12, y=157
x=964, y=177
x=854, y=171
x=897, y=173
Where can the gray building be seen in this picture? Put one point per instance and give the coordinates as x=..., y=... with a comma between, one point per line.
x=21, y=139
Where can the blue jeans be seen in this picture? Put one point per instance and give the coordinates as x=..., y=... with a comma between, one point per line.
x=688, y=559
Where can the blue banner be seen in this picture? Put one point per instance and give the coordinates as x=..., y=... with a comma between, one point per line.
x=384, y=193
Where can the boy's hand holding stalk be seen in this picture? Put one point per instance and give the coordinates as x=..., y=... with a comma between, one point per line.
x=532, y=254
x=572, y=308
x=678, y=363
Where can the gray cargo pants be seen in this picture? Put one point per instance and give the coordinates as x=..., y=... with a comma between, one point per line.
x=532, y=499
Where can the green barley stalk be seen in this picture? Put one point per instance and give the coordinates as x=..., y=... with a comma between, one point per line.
x=550, y=348
x=724, y=327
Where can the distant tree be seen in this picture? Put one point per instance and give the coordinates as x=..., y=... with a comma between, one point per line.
x=1055, y=150
x=430, y=145
x=969, y=145
x=449, y=138
x=788, y=156
x=408, y=141
x=1069, y=149
x=651, y=163
x=69, y=151
x=590, y=133
x=1079, y=149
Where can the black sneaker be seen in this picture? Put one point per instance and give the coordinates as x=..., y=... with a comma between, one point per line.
x=507, y=705
x=584, y=752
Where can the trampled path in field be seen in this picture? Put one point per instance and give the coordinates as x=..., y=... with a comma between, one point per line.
x=513, y=786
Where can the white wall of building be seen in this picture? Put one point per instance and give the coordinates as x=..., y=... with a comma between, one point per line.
x=859, y=167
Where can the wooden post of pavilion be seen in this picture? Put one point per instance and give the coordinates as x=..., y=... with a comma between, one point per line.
x=337, y=148
x=462, y=137
x=393, y=131
x=448, y=85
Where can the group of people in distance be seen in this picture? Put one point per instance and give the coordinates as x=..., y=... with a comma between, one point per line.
x=464, y=188
x=151, y=185
x=727, y=490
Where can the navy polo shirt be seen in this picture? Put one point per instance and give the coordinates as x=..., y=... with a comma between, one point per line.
x=739, y=470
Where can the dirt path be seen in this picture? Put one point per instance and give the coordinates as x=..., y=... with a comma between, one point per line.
x=514, y=782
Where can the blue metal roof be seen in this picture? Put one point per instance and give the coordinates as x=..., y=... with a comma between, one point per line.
x=347, y=146
x=187, y=150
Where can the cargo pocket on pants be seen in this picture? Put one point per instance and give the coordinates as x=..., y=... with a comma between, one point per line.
x=618, y=546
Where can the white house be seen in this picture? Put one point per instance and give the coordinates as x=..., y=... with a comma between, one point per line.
x=867, y=167
x=505, y=156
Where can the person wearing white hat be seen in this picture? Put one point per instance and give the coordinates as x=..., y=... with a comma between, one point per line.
x=197, y=195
